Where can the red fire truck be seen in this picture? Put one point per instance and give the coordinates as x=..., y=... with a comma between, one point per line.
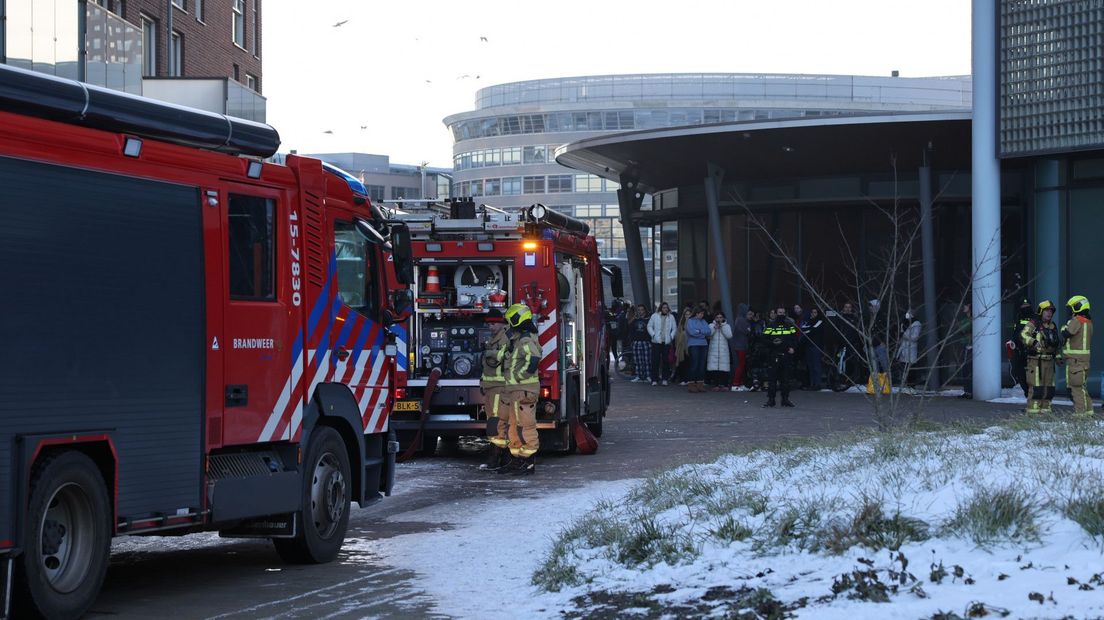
x=193, y=338
x=468, y=261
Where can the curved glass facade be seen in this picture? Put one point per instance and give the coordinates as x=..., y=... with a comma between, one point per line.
x=503, y=149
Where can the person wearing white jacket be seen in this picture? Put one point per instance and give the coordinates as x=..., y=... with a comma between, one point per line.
x=908, y=349
x=661, y=327
x=718, y=362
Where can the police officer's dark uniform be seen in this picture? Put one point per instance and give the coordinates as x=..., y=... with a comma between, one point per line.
x=1020, y=354
x=781, y=336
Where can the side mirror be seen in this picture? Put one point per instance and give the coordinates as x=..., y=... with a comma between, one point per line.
x=402, y=254
x=617, y=283
x=402, y=303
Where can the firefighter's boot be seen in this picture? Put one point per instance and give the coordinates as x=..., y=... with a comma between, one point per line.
x=525, y=467
x=497, y=458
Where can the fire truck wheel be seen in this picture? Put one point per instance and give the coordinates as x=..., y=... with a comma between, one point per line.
x=67, y=541
x=326, y=495
x=596, y=426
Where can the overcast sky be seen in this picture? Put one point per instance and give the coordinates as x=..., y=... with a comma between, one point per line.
x=383, y=80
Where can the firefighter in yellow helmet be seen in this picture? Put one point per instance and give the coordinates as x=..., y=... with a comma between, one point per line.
x=1078, y=335
x=1040, y=342
x=522, y=389
x=493, y=385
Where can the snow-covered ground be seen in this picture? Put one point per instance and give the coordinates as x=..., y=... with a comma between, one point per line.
x=785, y=520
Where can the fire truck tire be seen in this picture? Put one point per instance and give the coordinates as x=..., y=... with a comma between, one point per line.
x=324, y=516
x=67, y=541
x=596, y=426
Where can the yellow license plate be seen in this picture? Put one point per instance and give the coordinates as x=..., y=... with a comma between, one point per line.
x=408, y=405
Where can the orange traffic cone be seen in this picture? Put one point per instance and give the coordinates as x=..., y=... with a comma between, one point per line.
x=432, y=283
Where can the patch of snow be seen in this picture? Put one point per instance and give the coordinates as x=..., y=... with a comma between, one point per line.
x=481, y=560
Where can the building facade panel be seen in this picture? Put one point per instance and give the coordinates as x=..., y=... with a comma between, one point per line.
x=1051, y=68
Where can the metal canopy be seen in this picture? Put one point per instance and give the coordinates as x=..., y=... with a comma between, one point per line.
x=761, y=150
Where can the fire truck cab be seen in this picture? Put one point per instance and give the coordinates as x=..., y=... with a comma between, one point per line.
x=194, y=338
x=469, y=261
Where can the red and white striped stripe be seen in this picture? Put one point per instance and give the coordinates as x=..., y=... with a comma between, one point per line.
x=548, y=334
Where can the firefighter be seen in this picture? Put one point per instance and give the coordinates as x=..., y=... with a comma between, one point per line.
x=1077, y=334
x=522, y=388
x=493, y=384
x=1039, y=341
x=781, y=336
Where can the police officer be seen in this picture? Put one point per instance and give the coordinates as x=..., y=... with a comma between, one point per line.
x=781, y=336
x=1078, y=334
x=493, y=384
x=522, y=388
x=1020, y=354
x=1039, y=342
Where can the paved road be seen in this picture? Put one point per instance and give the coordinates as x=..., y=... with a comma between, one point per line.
x=648, y=429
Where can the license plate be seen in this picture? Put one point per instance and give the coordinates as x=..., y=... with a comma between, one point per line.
x=408, y=405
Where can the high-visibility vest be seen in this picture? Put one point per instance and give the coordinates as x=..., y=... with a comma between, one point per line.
x=525, y=348
x=1078, y=338
x=494, y=358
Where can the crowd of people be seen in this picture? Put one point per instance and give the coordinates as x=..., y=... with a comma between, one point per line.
x=702, y=349
x=795, y=347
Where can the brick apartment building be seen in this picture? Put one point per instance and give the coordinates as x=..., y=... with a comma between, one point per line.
x=212, y=38
x=137, y=46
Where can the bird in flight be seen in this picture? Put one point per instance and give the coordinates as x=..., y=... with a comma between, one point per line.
x=341, y=23
x=329, y=131
x=483, y=39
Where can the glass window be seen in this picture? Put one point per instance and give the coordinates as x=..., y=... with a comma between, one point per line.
x=477, y=188
x=492, y=157
x=239, y=23
x=199, y=9
x=477, y=159
x=255, y=43
x=612, y=186
x=534, y=155
x=559, y=183
x=492, y=187
x=180, y=4
x=177, y=68
x=399, y=193
x=252, y=256
x=354, y=279
x=511, y=156
x=533, y=185
x=251, y=82
x=375, y=192
x=511, y=186
x=149, y=47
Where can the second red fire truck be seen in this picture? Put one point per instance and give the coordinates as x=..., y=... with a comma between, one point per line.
x=471, y=260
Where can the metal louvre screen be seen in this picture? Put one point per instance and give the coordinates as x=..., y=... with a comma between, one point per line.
x=1051, y=76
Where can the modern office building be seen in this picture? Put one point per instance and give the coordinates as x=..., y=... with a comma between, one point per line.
x=503, y=149
x=200, y=53
x=388, y=181
x=822, y=187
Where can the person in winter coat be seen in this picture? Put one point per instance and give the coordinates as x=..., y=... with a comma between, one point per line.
x=718, y=361
x=741, y=334
x=641, y=344
x=813, y=330
x=908, y=349
x=697, y=343
x=661, y=329
x=682, y=351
